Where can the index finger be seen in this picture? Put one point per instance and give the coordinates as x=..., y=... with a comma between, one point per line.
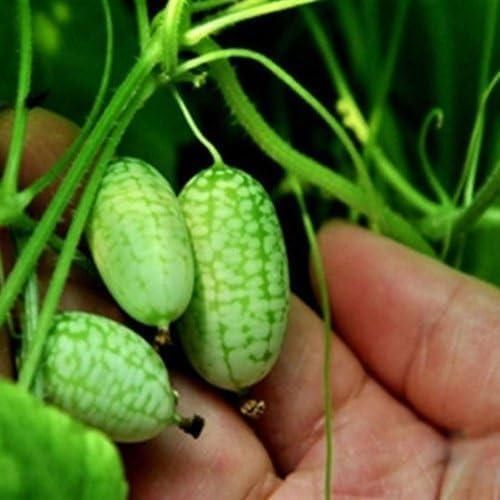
x=431, y=334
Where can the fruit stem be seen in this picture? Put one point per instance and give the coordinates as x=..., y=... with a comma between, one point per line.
x=214, y=153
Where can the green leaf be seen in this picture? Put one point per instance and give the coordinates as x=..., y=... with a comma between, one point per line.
x=46, y=454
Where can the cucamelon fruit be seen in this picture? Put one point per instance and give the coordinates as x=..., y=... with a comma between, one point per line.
x=233, y=328
x=107, y=376
x=140, y=244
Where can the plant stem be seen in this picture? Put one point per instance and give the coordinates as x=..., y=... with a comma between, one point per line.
x=483, y=199
x=299, y=164
x=436, y=115
x=214, y=153
x=203, y=5
x=398, y=181
x=75, y=231
x=301, y=92
x=30, y=315
x=172, y=19
x=383, y=87
x=346, y=105
x=354, y=119
x=460, y=221
x=8, y=186
x=469, y=172
x=141, y=14
x=484, y=70
x=197, y=33
x=27, y=260
x=319, y=272
x=488, y=46
x=273, y=145
x=25, y=225
x=27, y=195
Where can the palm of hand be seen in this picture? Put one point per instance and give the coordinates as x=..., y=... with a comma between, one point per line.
x=418, y=420
x=414, y=381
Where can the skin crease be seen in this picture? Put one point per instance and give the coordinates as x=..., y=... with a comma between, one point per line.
x=414, y=378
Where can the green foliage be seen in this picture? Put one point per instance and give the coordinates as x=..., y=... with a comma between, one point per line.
x=69, y=42
x=46, y=454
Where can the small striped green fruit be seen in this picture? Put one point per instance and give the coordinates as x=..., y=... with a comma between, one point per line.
x=233, y=328
x=140, y=244
x=107, y=376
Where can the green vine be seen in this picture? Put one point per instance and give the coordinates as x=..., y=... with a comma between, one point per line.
x=214, y=153
x=295, y=162
x=75, y=231
x=27, y=195
x=319, y=273
x=200, y=32
x=435, y=115
x=8, y=186
x=121, y=99
x=143, y=28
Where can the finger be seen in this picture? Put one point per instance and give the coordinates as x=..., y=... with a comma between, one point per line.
x=226, y=462
x=293, y=419
x=379, y=446
x=428, y=332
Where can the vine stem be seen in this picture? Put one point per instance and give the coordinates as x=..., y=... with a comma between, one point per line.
x=306, y=96
x=353, y=118
x=435, y=115
x=319, y=271
x=8, y=186
x=488, y=46
x=203, y=5
x=141, y=14
x=299, y=164
x=458, y=222
x=214, y=153
x=198, y=33
x=34, y=247
x=266, y=138
x=383, y=87
x=75, y=231
x=172, y=19
x=468, y=177
x=27, y=195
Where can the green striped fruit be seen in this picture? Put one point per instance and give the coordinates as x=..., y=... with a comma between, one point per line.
x=140, y=243
x=107, y=376
x=233, y=328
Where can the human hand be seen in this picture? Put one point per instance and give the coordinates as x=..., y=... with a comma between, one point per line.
x=414, y=379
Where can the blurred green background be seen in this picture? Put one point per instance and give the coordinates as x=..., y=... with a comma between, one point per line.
x=439, y=64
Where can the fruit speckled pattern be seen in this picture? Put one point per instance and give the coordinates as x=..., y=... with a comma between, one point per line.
x=104, y=374
x=233, y=328
x=140, y=244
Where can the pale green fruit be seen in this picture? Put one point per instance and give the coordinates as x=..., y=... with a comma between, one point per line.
x=140, y=244
x=233, y=328
x=107, y=376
